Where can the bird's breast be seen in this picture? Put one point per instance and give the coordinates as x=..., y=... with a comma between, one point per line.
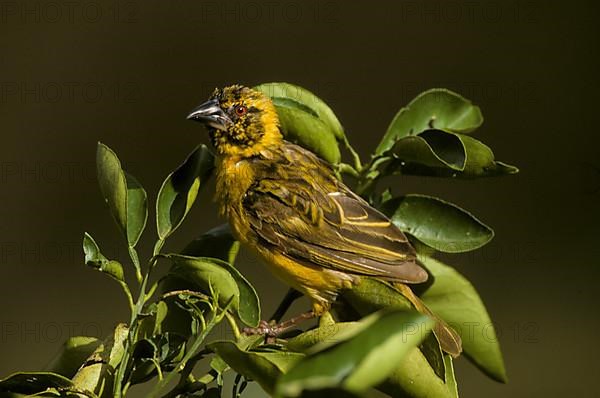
x=234, y=178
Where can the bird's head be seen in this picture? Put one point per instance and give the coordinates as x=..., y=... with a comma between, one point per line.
x=241, y=121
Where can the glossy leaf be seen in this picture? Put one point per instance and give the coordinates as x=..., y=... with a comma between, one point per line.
x=211, y=273
x=440, y=225
x=263, y=367
x=124, y=195
x=217, y=243
x=444, y=154
x=416, y=379
x=96, y=373
x=74, y=351
x=179, y=190
x=324, y=336
x=371, y=295
x=301, y=123
x=34, y=382
x=432, y=351
x=137, y=209
x=437, y=108
x=450, y=376
x=455, y=300
x=95, y=259
x=305, y=99
x=364, y=360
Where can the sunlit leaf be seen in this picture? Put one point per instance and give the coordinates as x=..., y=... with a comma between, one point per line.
x=137, y=209
x=441, y=153
x=437, y=108
x=415, y=378
x=441, y=225
x=263, y=367
x=95, y=259
x=305, y=119
x=94, y=373
x=179, y=190
x=362, y=361
x=74, y=351
x=124, y=195
x=455, y=300
x=307, y=100
x=212, y=274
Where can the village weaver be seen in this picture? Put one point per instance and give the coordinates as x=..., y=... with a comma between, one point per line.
x=286, y=205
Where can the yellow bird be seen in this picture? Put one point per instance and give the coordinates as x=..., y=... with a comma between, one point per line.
x=285, y=204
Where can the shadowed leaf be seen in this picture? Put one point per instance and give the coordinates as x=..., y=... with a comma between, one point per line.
x=263, y=367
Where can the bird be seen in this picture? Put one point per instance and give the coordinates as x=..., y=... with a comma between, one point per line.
x=286, y=205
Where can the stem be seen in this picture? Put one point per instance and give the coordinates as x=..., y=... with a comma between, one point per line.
x=195, y=346
x=346, y=168
x=128, y=295
x=135, y=313
x=139, y=305
x=233, y=325
x=355, y=157
x=136, y=263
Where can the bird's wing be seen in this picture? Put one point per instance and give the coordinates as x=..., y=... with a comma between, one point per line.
x=311, y=217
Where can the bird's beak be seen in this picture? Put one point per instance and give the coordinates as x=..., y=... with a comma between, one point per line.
x=211, y=114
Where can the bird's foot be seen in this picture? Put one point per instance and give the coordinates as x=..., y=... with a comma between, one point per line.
x=272, y=330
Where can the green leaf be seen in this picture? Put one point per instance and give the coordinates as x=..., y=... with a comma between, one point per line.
x=137, y=209
x=225, y=280
x=432, y=351
x=179, y=190
x=113, y=184
x=306, y=120
x=217, y=243
x=440, y=153
x=97, y=372
x=450, y=376
x=363, y=361
x=33, y=382
x=74, y=351
x=440, y=225
x=371, y=295
x=95, y=259
x=415, y=378
x=455, y=300
x=307, y=101
x=124, y=195
x=263, y=367
x=324, y=336
x=437, y=108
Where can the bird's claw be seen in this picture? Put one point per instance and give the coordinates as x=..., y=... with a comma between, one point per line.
x=268, y=329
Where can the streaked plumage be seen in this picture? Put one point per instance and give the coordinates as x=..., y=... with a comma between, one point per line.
x=286, y=204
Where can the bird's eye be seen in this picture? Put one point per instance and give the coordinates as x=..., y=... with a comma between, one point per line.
x=241, y=110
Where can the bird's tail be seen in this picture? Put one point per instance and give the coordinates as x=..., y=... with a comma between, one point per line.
x=449, y=340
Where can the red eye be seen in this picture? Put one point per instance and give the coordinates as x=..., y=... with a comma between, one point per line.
x=241, y=110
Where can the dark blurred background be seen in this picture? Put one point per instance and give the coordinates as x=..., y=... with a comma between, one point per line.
x=127, y=72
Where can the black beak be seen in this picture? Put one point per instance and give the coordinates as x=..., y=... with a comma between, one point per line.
x=211, y=114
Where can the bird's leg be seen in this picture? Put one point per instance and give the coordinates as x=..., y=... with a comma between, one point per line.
x=271, y=330
x=291, y=296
